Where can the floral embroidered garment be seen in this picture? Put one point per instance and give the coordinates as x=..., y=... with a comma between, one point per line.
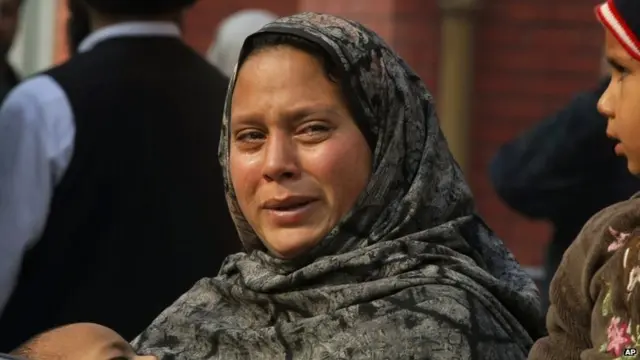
x=595, y=295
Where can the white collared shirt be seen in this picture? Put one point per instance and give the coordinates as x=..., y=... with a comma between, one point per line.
x=37, y=136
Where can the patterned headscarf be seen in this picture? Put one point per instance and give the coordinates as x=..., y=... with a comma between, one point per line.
x=410, y=273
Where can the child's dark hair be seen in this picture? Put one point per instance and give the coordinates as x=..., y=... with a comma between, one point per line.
x=266, y=41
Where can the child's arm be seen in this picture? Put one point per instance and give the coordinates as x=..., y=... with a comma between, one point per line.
x=572, y=303
x=569, y=315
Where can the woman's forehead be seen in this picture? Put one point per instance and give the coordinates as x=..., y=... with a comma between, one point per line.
x=279, y=71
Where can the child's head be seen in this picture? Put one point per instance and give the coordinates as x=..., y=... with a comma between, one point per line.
x=620, y=103
x=81, y=341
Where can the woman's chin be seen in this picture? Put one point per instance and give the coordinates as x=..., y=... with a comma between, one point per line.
x=288, y=243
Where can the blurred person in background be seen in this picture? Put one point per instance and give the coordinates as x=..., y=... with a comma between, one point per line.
x=231, y=33
x=78, y=25
x=112, y=196
x=563, y=170
x=9, y=21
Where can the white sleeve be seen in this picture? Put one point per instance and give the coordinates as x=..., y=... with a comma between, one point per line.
x=36, y=144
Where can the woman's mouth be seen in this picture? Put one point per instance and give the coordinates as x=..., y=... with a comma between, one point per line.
x=618, y=149
x=289, y=211
x=290, y=207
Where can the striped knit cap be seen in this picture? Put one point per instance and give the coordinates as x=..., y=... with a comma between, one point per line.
x=622, y=18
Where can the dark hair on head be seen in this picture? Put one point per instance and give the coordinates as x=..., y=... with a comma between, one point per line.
x=138, y=7
x=265, y=41
x=78, y=24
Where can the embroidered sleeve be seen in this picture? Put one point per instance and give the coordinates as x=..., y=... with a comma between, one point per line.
x=570, y=310
x=621, y=304
x=579, y=292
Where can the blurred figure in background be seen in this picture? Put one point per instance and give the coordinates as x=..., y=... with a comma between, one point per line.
x=563, y=170
x=9, y=21
x=78, y=25
x=232, y=32
x=112, y=196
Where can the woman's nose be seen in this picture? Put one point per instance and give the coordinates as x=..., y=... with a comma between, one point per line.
x=280, y=160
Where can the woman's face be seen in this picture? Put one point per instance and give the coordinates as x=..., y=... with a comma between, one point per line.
x=298, y=161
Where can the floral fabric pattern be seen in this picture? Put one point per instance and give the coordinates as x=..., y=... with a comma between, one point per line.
x=595, y=296
x=623, y=335
x=620, y=239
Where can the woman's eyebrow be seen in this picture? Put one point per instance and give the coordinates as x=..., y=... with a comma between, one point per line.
x=307, y=110
x=252, y=119
x=289, y=115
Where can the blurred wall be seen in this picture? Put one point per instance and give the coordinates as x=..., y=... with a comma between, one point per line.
x=33, y=48
x=531, y=56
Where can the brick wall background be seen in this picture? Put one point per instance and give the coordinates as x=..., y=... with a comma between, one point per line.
x=531, y=57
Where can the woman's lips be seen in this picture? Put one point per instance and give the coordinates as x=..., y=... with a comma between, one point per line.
x=286, y=216
x=618, y=149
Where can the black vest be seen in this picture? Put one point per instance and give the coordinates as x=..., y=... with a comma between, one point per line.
x=140, y=214
x=8, y=79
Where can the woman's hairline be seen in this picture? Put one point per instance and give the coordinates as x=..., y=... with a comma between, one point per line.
x=333, y=69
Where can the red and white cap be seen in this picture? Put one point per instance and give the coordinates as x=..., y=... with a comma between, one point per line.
x=622, y=18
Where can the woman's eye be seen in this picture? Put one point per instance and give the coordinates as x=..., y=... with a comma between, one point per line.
x=250, y=136
x=314, y=129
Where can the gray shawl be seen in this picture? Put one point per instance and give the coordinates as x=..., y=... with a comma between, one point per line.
x=410, y=273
